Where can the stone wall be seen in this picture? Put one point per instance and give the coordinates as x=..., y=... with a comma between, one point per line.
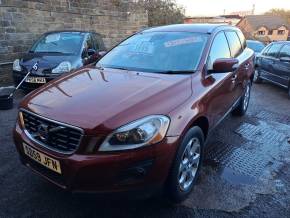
x=23, y=21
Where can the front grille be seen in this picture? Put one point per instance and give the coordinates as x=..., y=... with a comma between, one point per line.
x=52, y=134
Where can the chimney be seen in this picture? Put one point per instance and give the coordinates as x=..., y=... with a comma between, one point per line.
x=253, y=9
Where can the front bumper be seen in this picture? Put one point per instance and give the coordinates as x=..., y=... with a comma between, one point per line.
x=104, y=172
x=18, y=76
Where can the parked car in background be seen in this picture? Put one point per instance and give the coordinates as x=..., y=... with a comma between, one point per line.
x=273, y=65
x=256, y=46
x=56, y=53
x=139, y=119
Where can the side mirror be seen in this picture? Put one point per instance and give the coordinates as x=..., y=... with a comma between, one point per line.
x=225, y=65
x=91, y=52
x=285, y=59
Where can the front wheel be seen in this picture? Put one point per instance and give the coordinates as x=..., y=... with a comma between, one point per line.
x=242, y=107
x=186, y=166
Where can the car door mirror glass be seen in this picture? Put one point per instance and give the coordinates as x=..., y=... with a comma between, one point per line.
x=225, y=65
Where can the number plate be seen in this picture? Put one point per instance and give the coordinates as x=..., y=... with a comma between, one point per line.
x=35, y=80
x=41, y=158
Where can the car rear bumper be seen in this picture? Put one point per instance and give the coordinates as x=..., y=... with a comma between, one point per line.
x=104, y=172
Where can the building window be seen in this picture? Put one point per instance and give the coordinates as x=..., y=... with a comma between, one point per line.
x=270, y=32
x=261, y=32
x=281, y=32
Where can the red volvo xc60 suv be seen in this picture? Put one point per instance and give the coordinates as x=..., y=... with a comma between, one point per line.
x=141, y=116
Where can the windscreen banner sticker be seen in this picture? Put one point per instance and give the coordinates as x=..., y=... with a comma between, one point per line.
x=184, y=41
x=52, y=38
x=145, y=47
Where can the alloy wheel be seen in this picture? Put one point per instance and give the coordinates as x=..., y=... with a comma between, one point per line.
x=189, y=164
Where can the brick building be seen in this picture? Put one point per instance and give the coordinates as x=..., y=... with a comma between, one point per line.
x=23, y=21
x=265, y=28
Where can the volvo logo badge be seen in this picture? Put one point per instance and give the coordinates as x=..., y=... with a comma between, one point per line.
x=43, y=132
x=35, y=66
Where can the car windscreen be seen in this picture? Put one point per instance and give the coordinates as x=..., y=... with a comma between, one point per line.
x=157, y=52
x=256, y=46
x=64, y=42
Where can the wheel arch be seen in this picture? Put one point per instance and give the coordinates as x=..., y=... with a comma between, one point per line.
x=202, y=122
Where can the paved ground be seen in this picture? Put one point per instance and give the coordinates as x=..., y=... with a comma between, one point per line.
x=246, y=173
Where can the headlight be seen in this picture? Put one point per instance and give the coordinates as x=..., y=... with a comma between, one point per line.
x=63, y=67
x=16, y=65
x=146, y=131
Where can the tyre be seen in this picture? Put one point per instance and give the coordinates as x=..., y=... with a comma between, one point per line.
x=242, y=107
x=257, y=78
x=186, y=166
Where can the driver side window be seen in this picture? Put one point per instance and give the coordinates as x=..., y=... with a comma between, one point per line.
x=219, y=49
x=88, y=44
x=285, y=52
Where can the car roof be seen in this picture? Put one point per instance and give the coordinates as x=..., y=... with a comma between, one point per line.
x=280, y=42
x=70, y=31
x=193, y=28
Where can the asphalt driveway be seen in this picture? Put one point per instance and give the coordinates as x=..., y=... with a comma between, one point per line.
x=246, y=173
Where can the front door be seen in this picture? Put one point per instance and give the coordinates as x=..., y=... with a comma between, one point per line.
x=222, y=94
x=282, y=66
x=269, y=59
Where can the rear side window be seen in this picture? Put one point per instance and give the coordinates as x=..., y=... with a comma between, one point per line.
x=242, y=39
x=285, y=52
x=219, y=49
x=273, y=50
x=235, y=44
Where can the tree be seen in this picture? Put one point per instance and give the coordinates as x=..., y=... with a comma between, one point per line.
x=280, y=12
x=162, y=12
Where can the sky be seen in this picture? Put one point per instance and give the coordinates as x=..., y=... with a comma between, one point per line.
x=217, y=7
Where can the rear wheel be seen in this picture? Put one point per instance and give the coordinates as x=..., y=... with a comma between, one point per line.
x=186, y=166
x=257, y=78
x=242, y=107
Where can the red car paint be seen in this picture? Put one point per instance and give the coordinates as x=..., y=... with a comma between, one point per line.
x=100, y=101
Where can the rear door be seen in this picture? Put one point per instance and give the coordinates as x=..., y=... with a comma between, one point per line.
x=237, y=51
x=269, y=58
x=282, y=65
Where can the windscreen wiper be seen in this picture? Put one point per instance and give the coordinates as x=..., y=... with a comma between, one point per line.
x=99, y=67
x=52, y=52
x=177, y=72
x=119, y=68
